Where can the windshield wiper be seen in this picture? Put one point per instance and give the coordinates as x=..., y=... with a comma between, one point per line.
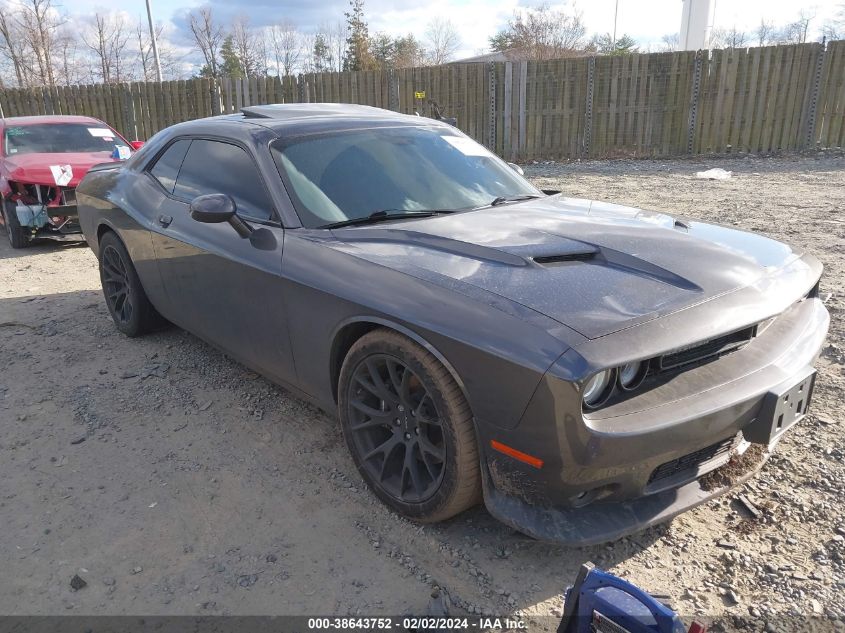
x=503, y=199
x=383, y=216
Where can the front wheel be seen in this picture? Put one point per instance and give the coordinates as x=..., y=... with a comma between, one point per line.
x=408, y=427
x=18, y=237
x=131, y=310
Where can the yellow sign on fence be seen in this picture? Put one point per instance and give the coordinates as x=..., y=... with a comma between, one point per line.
x=419, y=94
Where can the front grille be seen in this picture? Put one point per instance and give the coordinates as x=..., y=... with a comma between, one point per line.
x=694, y=464
x=709, y=350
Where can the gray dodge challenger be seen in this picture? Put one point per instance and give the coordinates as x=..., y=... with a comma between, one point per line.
x=586, y=369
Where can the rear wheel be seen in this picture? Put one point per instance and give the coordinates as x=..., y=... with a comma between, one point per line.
x=131, y=310
x=408, y=427
x=18, y=237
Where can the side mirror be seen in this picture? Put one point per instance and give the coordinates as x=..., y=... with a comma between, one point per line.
x=135, y=145
x=214, y=208
x=516, y=168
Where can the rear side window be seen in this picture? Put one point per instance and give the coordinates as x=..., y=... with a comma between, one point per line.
x=217, y=167
x=167, y=166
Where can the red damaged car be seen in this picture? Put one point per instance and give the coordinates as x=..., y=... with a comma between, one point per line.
x=42, y=160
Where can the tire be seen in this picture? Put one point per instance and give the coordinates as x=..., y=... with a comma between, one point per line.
x=410, y=430
x=18, y=237
x=131, y=310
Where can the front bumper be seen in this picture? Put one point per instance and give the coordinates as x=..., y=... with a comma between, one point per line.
x=602, y=522
x=638, y=464
x=38, y=221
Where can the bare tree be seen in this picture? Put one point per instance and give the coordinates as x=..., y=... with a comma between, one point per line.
x=796, y=32
x=208, y=37
x=39, y=20
x=146, y=59
x=13, y=46
x=286, y=46
x=70, y=66
x=671, y=42
x=543, y=33
x=337, y=36
x=249, y=47
x=443, y=40
x=145, y=52
x=834, y=29
x=107, y=39
x=765, y=32
x=728, y=38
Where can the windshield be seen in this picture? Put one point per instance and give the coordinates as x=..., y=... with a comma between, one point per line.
x=349, y=175
x=60, y=138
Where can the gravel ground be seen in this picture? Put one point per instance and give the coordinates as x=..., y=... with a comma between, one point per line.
x=174, y=481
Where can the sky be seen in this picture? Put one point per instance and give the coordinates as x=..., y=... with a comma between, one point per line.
x=646, y=20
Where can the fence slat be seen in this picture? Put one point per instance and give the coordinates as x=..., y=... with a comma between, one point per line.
x=748, y=100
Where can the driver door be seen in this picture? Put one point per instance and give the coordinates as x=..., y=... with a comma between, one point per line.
x=224, y=288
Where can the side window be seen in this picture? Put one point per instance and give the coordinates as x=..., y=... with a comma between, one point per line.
x=217, y=167
x=166, y=168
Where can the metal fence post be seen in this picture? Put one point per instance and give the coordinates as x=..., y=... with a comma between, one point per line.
x=523, y=107
x=507, y=144
x=693, y=108
x=129, y=110
x=812, y=106
x=587, y=139
x=215, y=97
x=393, y=90
x=46, y=98
x=491, y=107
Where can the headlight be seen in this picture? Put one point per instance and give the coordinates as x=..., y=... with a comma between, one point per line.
x=598, y=388
x=631, y=375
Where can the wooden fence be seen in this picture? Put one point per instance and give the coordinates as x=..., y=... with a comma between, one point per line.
x=663, y=104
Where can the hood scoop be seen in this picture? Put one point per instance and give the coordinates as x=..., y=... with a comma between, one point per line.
x=563, y=258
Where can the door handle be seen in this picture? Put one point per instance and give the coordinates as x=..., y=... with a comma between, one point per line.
x=165, y=220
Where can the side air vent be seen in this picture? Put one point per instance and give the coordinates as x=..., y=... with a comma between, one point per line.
x=565, y=257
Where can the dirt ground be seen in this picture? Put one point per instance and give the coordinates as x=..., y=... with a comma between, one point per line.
x=174, y=481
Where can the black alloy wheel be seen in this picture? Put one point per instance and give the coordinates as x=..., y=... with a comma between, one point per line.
x=408, y=427
x=116, y=285
x=396, y=428
x=131, y=310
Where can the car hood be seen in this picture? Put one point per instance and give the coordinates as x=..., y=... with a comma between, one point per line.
x=593, y=266
x=35, y=169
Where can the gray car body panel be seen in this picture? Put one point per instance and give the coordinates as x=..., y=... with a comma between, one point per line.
x=520, y=336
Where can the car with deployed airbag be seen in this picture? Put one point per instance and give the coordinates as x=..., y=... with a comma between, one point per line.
x=584, y=369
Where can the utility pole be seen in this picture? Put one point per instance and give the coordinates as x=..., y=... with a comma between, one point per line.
x=615, y=15
x=153, y=40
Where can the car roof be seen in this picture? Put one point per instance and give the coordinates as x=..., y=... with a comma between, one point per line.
x=290, y=119
x=35, y=120
x=299, y=111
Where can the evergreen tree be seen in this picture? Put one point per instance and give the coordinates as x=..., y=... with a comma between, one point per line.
x=231, y=66
x=408, y=52
x=605, y=45
x=323, y=58
x=382, y=49
x=501, y=41
x=358, y=55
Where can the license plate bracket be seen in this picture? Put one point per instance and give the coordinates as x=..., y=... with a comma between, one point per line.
x=782, y=407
